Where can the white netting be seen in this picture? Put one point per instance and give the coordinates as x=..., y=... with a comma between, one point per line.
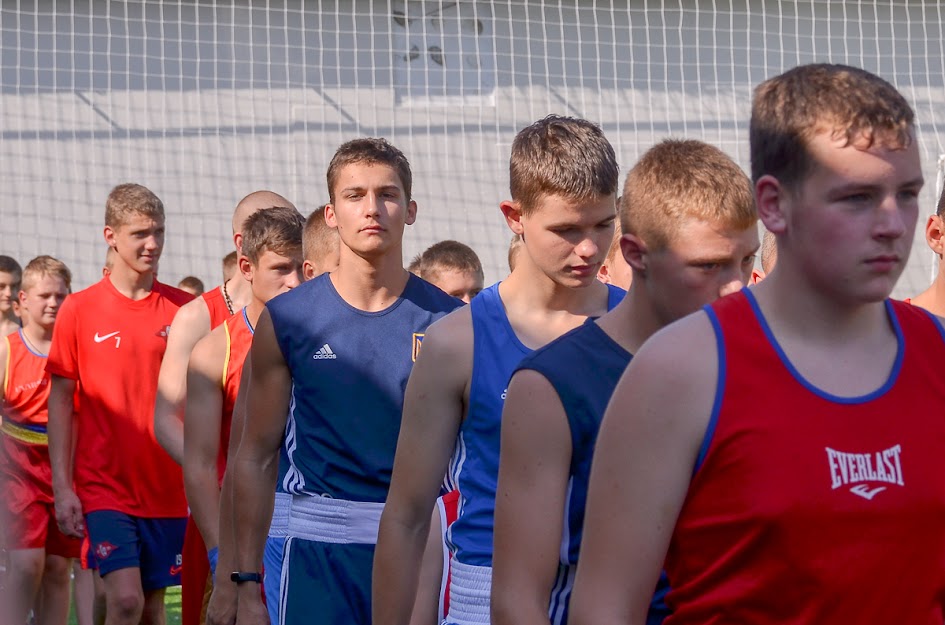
x=205, y=101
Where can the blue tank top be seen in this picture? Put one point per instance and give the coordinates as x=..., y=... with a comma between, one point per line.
x=584, y=367
x=474, y=467
x=349, y=372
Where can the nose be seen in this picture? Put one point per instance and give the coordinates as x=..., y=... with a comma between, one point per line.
x=732, y=282
x=587, y=248
x=294, y=279
x=894, y=217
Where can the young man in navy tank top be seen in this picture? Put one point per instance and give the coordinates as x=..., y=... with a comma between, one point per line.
x=563, y=178
x=327, y=389
x=781, y=451
x=690, y=237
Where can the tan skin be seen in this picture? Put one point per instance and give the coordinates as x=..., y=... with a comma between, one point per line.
x=9, y=286
x=826, y=312
x=704, y=262
x=203, y=419
x=552, y=290
x=370, y=210
x=933, y=298
x=138, y=242
x=31, y=573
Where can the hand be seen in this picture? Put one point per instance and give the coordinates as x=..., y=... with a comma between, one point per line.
x=69, y=513
x=222, y=607
x=250, y=609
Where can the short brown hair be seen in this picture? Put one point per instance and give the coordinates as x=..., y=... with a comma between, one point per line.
x=515, y=248
x=371, y=151
x=676, y=179
x=318, y=238
x=193, y=283
x=940, y=210
x=130, y=199
x=447, y=255
x=277, y=230
x=562, y=156
x=847, y=102
x=43, y=266
x=615, y=242
x=229, y=265
x=9, y=265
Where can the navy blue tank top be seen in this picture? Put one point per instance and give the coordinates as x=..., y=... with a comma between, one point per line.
x=349, y=372
x=584, y=367
x=474, y=468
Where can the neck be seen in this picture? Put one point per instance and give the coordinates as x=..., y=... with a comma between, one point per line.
x=370, y=284
x=38, y=337
x=634, y=320
x=529, y=287
x=10, y=316
x=130, y=283
x=933, y=298
x=240, y=291
x=253, y=310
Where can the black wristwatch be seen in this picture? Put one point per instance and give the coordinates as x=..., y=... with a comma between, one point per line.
x=242, y=576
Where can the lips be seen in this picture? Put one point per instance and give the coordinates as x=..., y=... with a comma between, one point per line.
x=884, y=262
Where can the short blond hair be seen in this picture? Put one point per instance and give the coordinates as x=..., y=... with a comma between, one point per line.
x=130, y=199
x=562, y=156
x=318, y=238
x=43, y=266
x=676, y=179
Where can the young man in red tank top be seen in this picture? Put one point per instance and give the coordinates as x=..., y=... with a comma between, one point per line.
x=781, y=449
x=38, y=552
x=272, y=263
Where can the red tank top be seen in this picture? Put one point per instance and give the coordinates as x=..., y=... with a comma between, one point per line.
x=25, y=391
x=808, y=508
x=216, y=304
x=239, y=338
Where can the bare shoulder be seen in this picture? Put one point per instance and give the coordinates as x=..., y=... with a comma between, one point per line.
x=193, y=318
x=450, y=338
x=210, y=352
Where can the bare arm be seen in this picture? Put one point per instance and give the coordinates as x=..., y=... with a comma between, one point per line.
x=643, y=462
x=426, y=604
x=222, y=607
x=433, y=412
x=530, y=499
x=202, y=424
x=191, y=323
x=59, y=428
x=256, y=465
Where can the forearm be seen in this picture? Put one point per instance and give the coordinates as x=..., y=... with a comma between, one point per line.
x=203, y=495
x=226, y=560
x=397, y=561
x=169, y=427
x=254, y=486
x=59, y=429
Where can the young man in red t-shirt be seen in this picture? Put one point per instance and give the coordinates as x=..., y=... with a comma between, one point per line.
x=109, y=341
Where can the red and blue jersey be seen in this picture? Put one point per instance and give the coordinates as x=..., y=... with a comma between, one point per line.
x=807, y=507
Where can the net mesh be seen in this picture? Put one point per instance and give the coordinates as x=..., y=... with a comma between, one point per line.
x=206, y=101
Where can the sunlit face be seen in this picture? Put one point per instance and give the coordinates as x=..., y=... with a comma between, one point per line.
x=273, y=274
x=849, y=225
x=616, y=271
x=460, y=284
x=138, y=242
x=701, y=263
x=370, y=209
x=568, y=239
x=9, y=285
x=39, y=304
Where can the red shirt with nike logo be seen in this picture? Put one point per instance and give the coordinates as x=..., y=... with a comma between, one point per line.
x=113, y=346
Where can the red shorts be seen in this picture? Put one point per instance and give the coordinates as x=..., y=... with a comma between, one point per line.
x=27, y=502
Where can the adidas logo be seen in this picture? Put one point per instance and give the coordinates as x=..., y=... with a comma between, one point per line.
x=324, y=353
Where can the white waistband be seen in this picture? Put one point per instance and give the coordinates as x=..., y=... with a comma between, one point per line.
x=280, y=515
x=329, y=520
x=470, y=587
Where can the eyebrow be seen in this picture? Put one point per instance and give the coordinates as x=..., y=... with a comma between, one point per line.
x=362, y=188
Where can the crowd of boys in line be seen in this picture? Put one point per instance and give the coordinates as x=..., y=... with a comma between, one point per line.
x=283, y=447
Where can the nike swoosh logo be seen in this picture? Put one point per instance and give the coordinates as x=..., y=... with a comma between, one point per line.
x=864, y=491
x=175, y=570
x=99, y=339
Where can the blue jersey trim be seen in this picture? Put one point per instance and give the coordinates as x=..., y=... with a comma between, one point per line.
x=882, y=390
x=246, y=320
x=28, y=347
x=719, y=390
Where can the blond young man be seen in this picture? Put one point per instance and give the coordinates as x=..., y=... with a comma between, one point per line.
x=119, y=485
x=563, y=175
x=39, y=553
x=776, y=451
x=690, y=237
x=452, y=267
x=320, y=245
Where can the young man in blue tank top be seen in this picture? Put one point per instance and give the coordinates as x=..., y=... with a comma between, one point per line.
x=331, y=387
x=690, y=236
x=722, y=475
x=563, y=179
